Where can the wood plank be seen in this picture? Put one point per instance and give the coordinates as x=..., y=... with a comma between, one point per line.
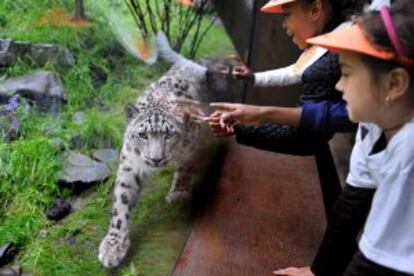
x=266, y=213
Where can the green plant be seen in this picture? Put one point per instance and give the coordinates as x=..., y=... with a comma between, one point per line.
x=106, y=127
x=29, y=165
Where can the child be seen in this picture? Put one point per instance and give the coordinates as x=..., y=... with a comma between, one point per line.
x=293, y=74
x=302, y=130
x=321, y=114
x=377, y=63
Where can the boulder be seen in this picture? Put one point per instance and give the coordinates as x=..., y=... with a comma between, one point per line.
x=107, y=156
x=59, y=209
x=11, y=51
x=79, y=171
x=7, y=253
x=43, y=53
x=11, y=271
x=43, y=87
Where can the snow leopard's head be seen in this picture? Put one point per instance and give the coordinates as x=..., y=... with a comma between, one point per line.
x=154, y=130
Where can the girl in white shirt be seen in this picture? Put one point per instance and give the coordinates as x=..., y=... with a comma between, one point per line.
x=377, y=64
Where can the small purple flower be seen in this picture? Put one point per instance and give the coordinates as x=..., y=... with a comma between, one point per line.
x=12, y=104
x=14, y=124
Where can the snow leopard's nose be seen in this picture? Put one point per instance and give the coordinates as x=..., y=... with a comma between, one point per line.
x=156, y=161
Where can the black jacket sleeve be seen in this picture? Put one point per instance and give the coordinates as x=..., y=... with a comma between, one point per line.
x=346, y=221
x=281, y=139
x=326, y=117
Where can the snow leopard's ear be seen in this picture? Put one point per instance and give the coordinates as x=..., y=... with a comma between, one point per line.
x=131, y=111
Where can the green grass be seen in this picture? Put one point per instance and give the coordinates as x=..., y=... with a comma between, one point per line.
x=157, y=229
x=30, y=165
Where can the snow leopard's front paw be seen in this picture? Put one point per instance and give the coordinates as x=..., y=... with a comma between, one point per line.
x=176, y=196
x=113, y=249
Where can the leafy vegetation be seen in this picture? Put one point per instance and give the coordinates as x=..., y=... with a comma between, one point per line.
x=103, y=79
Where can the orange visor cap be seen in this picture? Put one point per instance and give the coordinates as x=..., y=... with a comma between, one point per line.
x=351, y=39
x=185, y=2
x=275, y=6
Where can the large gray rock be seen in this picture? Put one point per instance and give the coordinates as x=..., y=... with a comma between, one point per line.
x=43, y=87
x=43, y=53
x=11, y=271
x=7, y=253
x=11, y=51
x=78, y=169
x=108, y=156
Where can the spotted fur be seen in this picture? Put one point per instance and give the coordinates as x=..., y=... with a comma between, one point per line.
x=158, y=133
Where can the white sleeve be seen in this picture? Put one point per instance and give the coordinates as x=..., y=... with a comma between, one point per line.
x=359, y=175
x=278, y=77
x=377, y=4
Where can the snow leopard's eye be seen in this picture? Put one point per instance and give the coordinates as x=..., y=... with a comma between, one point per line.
x=169, y=135
x=143, y=135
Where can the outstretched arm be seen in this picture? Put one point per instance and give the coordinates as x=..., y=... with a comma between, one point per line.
x=228, y=114
x=322, y=118
x=326, y=117
x=279, y=77
x=273, y=78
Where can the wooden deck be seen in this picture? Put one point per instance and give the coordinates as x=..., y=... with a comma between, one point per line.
x=266, y=213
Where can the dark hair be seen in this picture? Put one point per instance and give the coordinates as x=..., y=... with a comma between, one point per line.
x=342, y=10
x=402, y=13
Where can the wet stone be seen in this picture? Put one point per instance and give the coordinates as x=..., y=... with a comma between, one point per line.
x=59, y=209
x=43, y=53
x=7, y=253
x=80, y=171
x=108, y=156
x=11, y=51
x=79, y=118
x=11, y=271
x=42, y=87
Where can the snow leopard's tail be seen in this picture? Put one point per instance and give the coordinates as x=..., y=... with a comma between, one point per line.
x=171, y=56
x=165, y=50
x=129, y=36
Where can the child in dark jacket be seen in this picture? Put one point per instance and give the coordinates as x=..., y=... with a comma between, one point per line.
x=322, y=112
x=303, y=130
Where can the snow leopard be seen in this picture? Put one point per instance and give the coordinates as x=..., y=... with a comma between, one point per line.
x=160, y=131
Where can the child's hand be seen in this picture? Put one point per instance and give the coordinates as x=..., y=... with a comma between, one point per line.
x=294, y=271
x=242, y=72
x=214, y=123
x=230, y=114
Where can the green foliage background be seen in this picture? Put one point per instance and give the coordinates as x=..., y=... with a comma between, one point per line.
x=29, y=166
